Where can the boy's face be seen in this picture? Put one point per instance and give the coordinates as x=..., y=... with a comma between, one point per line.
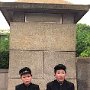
x=26, y=78
x=60, y=75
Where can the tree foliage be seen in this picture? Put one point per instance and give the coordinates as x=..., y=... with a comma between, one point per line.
x=4, y=50
x=83, y=40
x=4, y=59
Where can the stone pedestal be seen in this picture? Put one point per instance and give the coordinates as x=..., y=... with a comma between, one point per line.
x=42, y=35
x=40, y=46
x=83, y=73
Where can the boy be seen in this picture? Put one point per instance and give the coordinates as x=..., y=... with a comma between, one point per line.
x=60, y=83
x=26, y=77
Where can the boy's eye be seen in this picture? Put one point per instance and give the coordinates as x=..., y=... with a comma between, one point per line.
x=23, y=77
x=28, y=76
x=60, y=73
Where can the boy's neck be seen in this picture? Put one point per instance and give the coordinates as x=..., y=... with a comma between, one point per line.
x=27, y=84
x=60, y=82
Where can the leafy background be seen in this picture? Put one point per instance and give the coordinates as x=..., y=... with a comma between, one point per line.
x=83, y=40
x=4, y=50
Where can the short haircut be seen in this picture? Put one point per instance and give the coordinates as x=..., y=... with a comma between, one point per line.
x=59, y=67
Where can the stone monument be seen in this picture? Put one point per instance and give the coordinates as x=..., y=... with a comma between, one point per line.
x=41, y=36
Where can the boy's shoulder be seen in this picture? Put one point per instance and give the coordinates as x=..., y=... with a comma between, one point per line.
x=35, y=85
x=52, y=82
x=68, y=82
x=55, y=82
x=32, y=84
x=19, y=85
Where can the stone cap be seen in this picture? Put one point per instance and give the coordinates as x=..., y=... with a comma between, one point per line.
x=45, y=1
x=8, y=9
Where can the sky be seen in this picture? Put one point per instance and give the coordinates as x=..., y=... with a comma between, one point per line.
x=84, y=20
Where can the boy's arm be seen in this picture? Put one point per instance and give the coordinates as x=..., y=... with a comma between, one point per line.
x=15, y=87
x=48, y=87
x=37, y=87
x=72, y=87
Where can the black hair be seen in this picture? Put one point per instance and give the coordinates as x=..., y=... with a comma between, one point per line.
x=59, y=67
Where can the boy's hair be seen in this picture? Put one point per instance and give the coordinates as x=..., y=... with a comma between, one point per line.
x=25, y=70
x=59, y=67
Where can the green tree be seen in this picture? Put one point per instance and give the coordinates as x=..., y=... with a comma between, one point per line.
x=4, y=50
x=83, y=40
x=4, y=59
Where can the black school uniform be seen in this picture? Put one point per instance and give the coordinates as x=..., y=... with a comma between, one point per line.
x=55, y=85
x=24, y=87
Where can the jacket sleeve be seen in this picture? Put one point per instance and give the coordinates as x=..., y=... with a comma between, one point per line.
x=38, y=88
x=48, y=87
x=72, y=87
x=16, y=88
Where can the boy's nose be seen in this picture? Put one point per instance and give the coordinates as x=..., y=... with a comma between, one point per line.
x=26, y=78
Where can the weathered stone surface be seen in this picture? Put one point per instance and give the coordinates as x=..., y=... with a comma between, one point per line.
x=43, y=18
x=12, y=83
x=83, y=73
x=34, y=44
x=42, y=36
x=18, y=17
x=3, y=79
x=45, y=1
x=41, y=83
x=44, y=6
x=20, y=59
x=8, y=9
x=53, y=58
x=68, y=18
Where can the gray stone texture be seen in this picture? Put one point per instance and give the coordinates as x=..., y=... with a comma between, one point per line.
x=42, y=36
x=83, y=73
x=41, y=42
x=3, y=79
x=12, y=83
x=18, y=17
x=9, y=9
x=43, y=18
x=68, y=18
x=53, y=58
x=20, y=59
x=41, y=64
x=36, y=59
